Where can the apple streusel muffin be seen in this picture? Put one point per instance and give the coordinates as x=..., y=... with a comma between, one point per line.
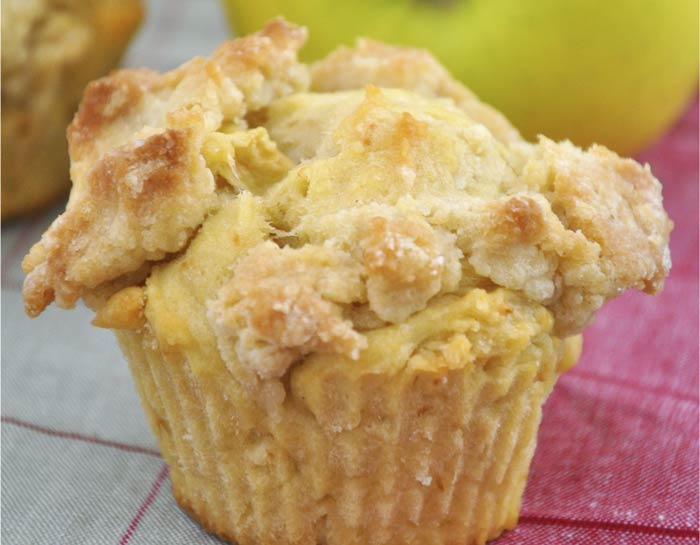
x=345, y=290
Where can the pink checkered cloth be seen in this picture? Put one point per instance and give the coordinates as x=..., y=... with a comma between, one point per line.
x=617, y=458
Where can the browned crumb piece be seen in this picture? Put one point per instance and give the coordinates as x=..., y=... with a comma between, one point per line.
x=597, y=229
x=264, y=65
x=617, y=205
x=283, y=304
x=407, y=263
x=137, y=203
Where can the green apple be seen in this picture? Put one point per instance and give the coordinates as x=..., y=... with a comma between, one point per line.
x=615, y=72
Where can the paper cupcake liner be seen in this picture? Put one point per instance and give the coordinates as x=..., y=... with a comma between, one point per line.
x=409, y=458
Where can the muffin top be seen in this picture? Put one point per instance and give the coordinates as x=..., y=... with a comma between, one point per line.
x=286, y=210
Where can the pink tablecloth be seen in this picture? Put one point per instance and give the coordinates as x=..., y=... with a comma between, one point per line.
x=617, y=460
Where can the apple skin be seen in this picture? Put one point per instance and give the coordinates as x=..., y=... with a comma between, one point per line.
x=614, y=72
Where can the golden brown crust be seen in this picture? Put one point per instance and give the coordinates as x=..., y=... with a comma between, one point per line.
x=528, y=243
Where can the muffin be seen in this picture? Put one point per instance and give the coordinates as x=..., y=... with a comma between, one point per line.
x=344, y=290
x=50, y=50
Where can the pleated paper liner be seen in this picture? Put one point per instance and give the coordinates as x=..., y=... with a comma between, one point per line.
x=430, y=453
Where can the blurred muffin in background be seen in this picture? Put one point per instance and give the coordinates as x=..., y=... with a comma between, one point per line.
x=50, y=50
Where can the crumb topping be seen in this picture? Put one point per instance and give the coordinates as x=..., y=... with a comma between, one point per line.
x=141, y=184
x=382, y=189
x=406, y=263
x=282, y=304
